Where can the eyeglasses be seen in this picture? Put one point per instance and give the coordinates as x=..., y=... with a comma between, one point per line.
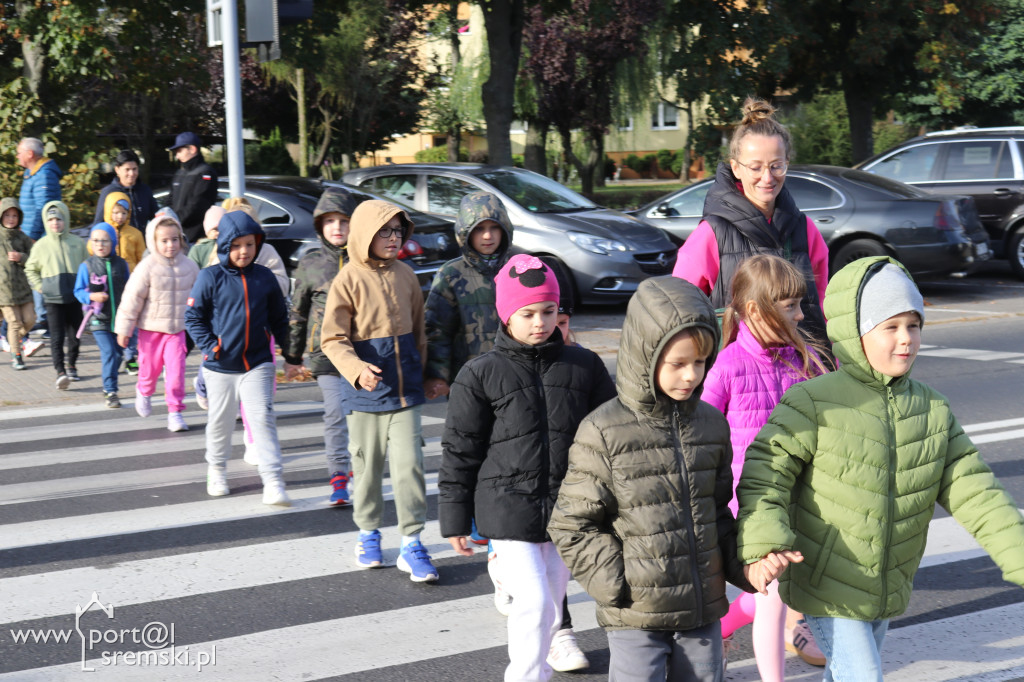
x=777, y=169
x=389, y=232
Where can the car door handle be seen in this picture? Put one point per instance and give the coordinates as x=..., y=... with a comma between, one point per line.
x=1002, y=192
x=825, y=220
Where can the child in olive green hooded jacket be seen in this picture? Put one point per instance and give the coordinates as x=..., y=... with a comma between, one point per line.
x=15, y=292
x=848, y=470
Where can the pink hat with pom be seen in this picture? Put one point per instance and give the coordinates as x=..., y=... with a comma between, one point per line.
x=523, y=281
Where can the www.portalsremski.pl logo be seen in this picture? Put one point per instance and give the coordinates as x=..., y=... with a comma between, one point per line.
x=150, y=645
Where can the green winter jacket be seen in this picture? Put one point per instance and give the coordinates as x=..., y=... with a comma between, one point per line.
x=461, y=319
x=53, y=263
x=14, y=286
x=848, y=470
x=642, y=518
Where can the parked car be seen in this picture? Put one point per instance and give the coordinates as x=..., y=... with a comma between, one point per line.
x=985, y=163
x=859, y=214
x=603, y=254
x=285, y=209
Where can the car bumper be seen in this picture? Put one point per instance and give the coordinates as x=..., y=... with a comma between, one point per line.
x=614, y=281
x=939, y=260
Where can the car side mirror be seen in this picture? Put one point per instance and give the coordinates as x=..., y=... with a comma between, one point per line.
x=663, y=209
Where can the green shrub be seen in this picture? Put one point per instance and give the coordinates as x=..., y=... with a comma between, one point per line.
x=821, y=131
x=609, y=166
x=707, y=142
x=518, y=161
x=665, y=158
x=634, y=163
x=888, y=134
x=269, y=157
x=677, y=163
x=649, y=162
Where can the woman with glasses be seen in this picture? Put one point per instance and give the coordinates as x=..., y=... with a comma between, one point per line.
x=748, y=211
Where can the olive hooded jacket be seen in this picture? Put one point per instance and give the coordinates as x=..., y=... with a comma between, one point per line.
x=848, y=470
x=642, y=519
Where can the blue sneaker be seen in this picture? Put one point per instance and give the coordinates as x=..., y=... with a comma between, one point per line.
x=415, y=561
x=368, y=550
x=475, y=536
x=339, y=482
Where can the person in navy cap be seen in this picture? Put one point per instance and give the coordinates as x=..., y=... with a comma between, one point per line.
x=194, y=188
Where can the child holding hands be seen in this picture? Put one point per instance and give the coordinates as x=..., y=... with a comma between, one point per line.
x=849, y=468
x=512, y=415
x=15, y=291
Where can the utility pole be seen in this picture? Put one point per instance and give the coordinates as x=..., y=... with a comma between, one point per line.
x=222, y=29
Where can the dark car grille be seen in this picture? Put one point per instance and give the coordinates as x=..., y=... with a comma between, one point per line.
x=660, y=263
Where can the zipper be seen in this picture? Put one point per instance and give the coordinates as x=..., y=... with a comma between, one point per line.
x=110, y=289
x=891, y=510
x=544, y=436
x=392, y=300
x=245, y=349
x=688, y=516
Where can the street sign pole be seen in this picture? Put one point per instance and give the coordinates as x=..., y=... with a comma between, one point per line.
x=227, y=12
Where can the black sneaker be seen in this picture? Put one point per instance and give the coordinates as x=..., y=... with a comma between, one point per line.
x=73, y=374
x=112, y=400
x=18, y=363
x=131, y=367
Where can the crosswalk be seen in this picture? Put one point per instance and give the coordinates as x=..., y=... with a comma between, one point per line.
x=106, y=514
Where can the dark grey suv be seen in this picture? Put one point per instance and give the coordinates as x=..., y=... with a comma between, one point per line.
x=985, y=163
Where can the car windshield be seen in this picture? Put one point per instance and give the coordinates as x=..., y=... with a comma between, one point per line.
x=537, y=193
x=882, y=186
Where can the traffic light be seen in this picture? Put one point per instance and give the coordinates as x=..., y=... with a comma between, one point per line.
x=263, y=19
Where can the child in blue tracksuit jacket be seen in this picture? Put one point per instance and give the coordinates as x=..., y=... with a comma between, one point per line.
x=100, y=283
x=232, y=312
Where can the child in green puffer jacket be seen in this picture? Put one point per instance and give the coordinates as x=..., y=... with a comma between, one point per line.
x=848, y=470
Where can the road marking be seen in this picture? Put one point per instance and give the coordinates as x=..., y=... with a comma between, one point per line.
x=971, y=354
x=1000, y=424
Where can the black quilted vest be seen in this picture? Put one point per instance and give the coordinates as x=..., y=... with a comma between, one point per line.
x=741, y=231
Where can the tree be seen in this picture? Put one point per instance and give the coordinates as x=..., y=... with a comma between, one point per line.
x=503, y=21
x=573, y=56
x=871, y=51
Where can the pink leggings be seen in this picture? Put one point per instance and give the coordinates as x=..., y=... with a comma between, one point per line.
x=158, y=353
x=768, y=614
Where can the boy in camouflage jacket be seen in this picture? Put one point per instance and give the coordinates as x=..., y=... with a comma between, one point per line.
x=313, y=277
x=461, y=319
x=15, y=292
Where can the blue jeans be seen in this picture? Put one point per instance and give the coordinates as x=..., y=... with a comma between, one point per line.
x=852, y=648
x=110, y=354
x=132, y=351
x=40, y=304
x=335, y=425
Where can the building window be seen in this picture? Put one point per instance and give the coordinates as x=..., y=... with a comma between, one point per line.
x=519, y=127
x=664, y=117
x=626, y=124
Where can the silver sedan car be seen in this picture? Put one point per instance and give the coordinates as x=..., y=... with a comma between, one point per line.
x=603, y=254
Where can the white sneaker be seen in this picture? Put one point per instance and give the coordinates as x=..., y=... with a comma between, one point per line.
x=142, y=405
x=217, y=482
x=502, y=599
x=175, y=422
x=30, y=346
x=201, y=400
x=250, y=456
x=4, y=346
x=565, y=654
x=274, y=494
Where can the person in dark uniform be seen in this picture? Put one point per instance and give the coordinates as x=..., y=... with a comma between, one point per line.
x=194, y=188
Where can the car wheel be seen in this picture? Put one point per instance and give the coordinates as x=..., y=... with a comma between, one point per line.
x=858, y=248
x=566, y=283
x=1015, y=252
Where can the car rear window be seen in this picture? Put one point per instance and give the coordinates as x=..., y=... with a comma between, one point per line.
x=978, y=160
x=878, y=187
x=913, y=164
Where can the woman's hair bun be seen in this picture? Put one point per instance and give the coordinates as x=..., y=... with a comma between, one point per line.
x=756, y=109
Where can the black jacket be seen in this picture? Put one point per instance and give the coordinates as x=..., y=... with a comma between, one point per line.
x=512, y=415
x=193, y=192
x=143, y=204
x=742, y=231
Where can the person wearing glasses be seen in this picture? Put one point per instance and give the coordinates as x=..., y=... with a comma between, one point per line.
x=374, y=334
x=747, y=211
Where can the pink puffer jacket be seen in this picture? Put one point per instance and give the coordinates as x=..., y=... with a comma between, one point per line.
x=745, y=383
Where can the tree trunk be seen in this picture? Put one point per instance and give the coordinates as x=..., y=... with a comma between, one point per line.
x=861, y=108
x=455, y=130
x=684, y=174
x=325, y=140
x=300, y=98
x=503, y=20
x=535, y=156
x=454, y=140
x=34, y=57
x=597, y=150
x=585, y=170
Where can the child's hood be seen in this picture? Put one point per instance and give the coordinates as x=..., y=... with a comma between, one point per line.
x=335, y=200
x=151, y=231
x=111, y=232
x=367, y=219
x=473, y=210
x=232, y=225
x=12, y=202
x=64, y=213
x=842, y=310
x=108, y=206
x=661, y=308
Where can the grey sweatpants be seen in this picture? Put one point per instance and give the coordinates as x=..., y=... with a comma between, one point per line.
x=685, y=656
x=255, y=389
x=372, y=435
x=335, y=426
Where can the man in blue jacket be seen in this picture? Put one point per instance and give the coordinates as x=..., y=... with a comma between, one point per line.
x=41, y=184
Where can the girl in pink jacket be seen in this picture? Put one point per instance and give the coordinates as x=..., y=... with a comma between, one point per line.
x=154, y=301
x=764, y=355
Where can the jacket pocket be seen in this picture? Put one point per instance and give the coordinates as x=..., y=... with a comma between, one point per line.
x=824, y=554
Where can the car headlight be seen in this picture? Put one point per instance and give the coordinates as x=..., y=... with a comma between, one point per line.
x=596, y=244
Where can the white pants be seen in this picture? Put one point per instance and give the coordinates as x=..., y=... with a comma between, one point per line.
x=255, y=389
x=537, y=576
